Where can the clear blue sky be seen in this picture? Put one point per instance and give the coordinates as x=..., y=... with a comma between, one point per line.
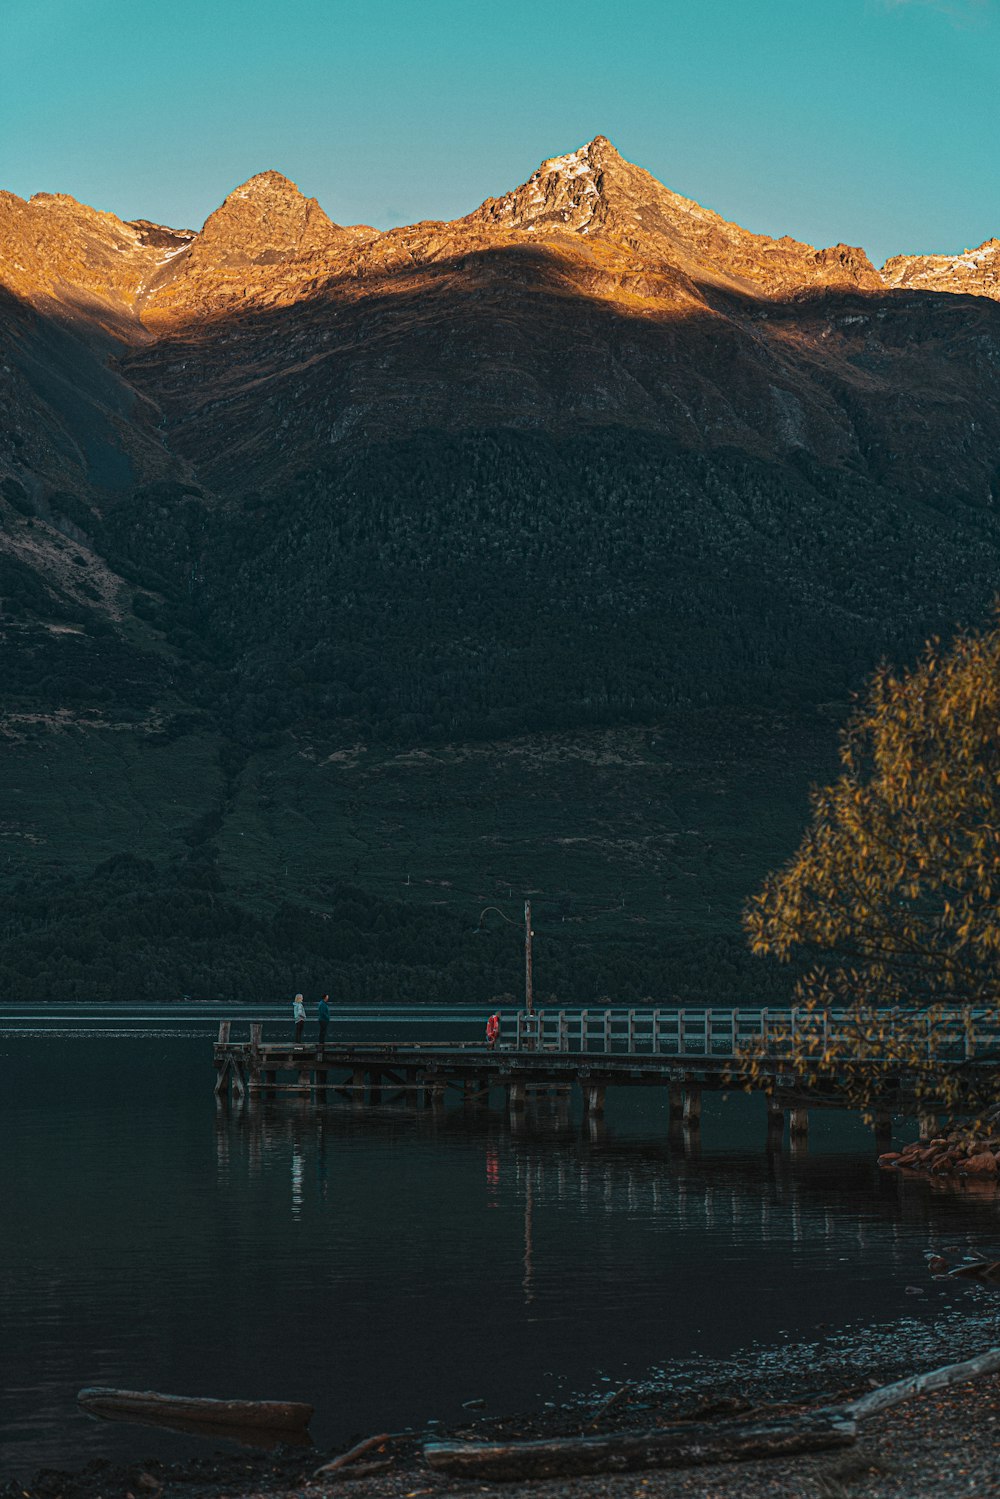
x=870, y=121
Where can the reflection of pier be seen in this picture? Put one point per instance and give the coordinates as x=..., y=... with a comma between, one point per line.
x=550, y=1053
x=550, y=1168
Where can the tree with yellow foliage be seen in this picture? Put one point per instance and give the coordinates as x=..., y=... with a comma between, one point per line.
x=894, y=891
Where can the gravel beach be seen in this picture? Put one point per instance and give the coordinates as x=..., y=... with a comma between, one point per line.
x=940, y=1446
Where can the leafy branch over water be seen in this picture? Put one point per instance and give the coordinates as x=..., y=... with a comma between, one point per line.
x=893, y=890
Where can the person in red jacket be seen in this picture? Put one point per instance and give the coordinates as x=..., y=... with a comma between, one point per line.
x=492, y=1030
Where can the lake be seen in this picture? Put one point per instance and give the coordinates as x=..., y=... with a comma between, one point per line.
x=388, y=1264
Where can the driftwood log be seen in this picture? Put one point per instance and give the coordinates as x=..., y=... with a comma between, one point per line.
x=370, y=1444
x=690, y=1444
x=269, y=1415
x=659, y=1447
x=919, y=1384
x=356, y=1470
x=609, y=1404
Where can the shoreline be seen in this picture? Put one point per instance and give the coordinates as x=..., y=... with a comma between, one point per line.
x=937, y=1446
x=940, y=1446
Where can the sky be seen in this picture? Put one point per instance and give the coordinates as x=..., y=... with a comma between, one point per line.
x=865, y=121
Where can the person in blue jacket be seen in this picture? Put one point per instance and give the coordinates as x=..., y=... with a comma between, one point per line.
x=323, y=1016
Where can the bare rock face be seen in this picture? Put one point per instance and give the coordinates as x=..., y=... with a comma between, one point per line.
x=159, y=237
x=567, y=192
x=594, y=191
x=976, y=273
x=264, y=222
x=61, y=254
x=265, y=242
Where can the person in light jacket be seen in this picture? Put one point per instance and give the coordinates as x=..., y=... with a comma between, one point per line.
x=299, y=1016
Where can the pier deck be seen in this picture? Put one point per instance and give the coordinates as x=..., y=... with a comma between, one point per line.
x=681, y=1050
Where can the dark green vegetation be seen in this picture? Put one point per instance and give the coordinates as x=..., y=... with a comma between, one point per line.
x=316, y=729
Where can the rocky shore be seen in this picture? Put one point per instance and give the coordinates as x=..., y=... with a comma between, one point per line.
x=960, y=1152
x=938, y=1446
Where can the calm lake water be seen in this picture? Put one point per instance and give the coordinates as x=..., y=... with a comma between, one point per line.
x=387, y=1265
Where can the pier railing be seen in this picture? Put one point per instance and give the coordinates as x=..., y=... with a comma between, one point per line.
x=956, y=1035
x=685, y=1048
x=709, y=1032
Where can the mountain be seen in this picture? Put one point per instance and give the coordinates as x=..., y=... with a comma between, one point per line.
x=354, y=579
x=974, y=272
x=594, y=191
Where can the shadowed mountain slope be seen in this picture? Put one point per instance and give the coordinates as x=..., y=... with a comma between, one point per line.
x=351, y=580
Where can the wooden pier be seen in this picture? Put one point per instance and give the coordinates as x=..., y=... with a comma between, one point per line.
x=553, y=1052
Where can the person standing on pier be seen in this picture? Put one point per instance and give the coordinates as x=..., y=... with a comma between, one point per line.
x=323, y=1016
x=299, y=1016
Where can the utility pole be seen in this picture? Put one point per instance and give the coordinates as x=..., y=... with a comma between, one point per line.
x=529, y=1000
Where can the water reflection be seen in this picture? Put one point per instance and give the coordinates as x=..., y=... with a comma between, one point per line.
x=556, y=1168
x=298, y=1168
x=364, y=1258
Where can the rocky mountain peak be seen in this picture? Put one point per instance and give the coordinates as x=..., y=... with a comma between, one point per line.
x=270, y=181
x=566, y=192
x=974, y=272
x=595, y=191
x=263, y=221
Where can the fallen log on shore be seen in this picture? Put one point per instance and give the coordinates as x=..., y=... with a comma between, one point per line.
x=920, y=1384
x=688, y=1445
x=659, y=1447
x=269, y=1415
x=261, y=1438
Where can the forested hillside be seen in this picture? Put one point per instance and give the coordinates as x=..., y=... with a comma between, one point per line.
x=389, y=585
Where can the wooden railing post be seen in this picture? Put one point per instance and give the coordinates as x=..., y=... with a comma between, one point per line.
x=224, y=1031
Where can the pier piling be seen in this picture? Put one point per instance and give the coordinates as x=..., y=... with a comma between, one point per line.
x=692, y=1105
x=593, y=1099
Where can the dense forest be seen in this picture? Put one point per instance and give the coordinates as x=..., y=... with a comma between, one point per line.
x=355, y=708
x=477, y=587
